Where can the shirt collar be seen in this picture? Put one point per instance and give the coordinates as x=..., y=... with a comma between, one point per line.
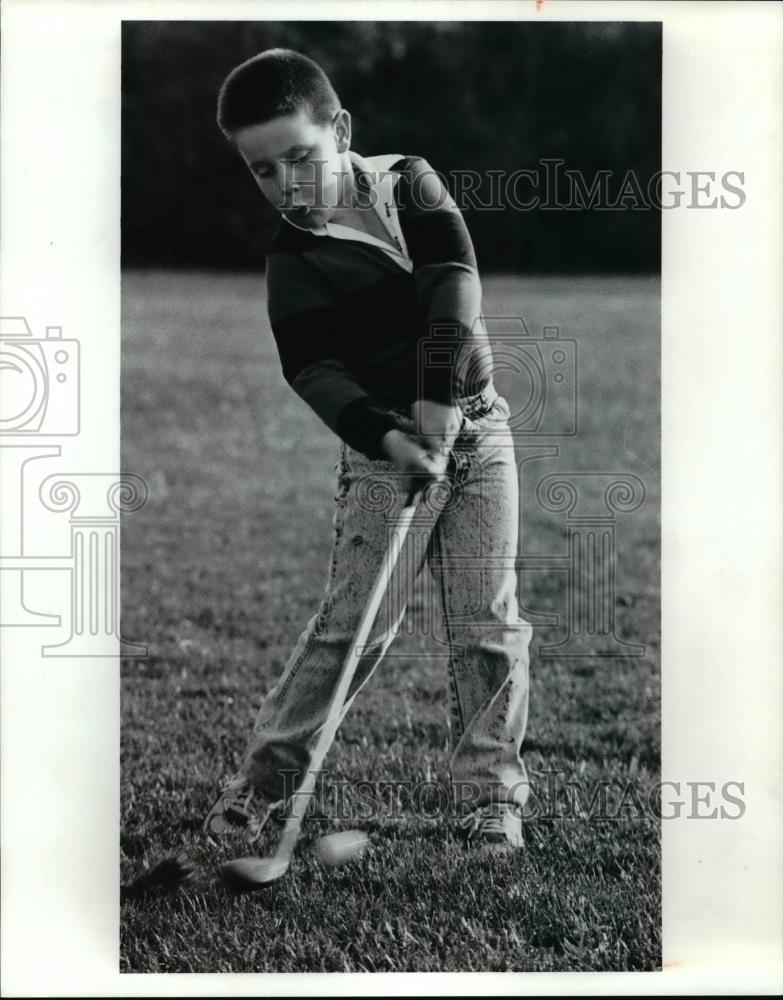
x=368, y=176
x=374, y=176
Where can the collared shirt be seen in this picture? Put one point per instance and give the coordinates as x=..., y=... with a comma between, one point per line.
x=364, y=327
x=374, y=175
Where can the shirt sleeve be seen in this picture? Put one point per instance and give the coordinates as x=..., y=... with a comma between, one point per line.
x=306, y=327
x=455, y=358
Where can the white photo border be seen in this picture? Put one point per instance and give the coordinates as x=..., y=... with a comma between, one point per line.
x=721, y=476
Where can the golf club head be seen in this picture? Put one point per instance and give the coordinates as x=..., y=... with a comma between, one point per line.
x=250, y=874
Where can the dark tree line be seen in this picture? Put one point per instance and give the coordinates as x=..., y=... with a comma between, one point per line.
x=469, y=96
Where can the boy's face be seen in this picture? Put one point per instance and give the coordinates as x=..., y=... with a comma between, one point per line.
x=299, y=165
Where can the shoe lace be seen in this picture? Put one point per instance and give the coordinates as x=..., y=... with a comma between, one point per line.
x=237, y=795
x=489, y=819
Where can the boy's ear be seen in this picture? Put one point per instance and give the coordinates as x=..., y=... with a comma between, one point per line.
x=341, y=123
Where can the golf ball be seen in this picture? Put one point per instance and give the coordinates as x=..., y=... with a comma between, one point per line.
x=340, y=848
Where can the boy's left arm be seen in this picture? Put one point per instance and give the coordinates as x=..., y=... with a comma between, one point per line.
x=437, y=424
x=448, y=287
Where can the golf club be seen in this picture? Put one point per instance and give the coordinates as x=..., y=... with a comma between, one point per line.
x=246, y=874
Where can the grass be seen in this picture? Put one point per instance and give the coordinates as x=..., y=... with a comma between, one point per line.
x=221, y=570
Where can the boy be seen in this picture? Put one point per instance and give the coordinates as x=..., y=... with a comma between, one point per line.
x=372, y=260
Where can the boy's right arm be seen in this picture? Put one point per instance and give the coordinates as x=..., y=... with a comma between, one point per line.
x=306, y=326
x=411, y=458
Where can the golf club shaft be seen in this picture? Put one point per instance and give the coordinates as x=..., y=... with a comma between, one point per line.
x=301, y=796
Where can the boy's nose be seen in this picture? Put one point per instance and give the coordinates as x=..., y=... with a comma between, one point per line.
x=293, y=199
x=290, y=191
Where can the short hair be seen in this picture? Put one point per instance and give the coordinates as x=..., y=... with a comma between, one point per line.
x=275, y=82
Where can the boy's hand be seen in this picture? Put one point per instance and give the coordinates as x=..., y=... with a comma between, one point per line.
x=436, y=424
x=419, y=465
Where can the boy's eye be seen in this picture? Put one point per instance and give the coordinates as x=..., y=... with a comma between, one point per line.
x=263, y=172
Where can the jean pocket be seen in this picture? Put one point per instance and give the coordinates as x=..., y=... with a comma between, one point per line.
x=496, y=415
x=497, y=412
x=500, y=410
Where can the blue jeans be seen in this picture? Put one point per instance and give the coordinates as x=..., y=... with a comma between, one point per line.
x=466, y=529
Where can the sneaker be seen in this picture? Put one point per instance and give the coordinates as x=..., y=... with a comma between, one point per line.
x=239, y=809
x=497, y=825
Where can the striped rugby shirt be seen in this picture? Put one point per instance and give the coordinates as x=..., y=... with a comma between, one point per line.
x=364, y=327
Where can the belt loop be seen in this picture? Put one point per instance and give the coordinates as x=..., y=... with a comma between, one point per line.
x=481, y=401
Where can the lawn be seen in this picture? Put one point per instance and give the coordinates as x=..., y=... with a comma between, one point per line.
x=226, y=562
